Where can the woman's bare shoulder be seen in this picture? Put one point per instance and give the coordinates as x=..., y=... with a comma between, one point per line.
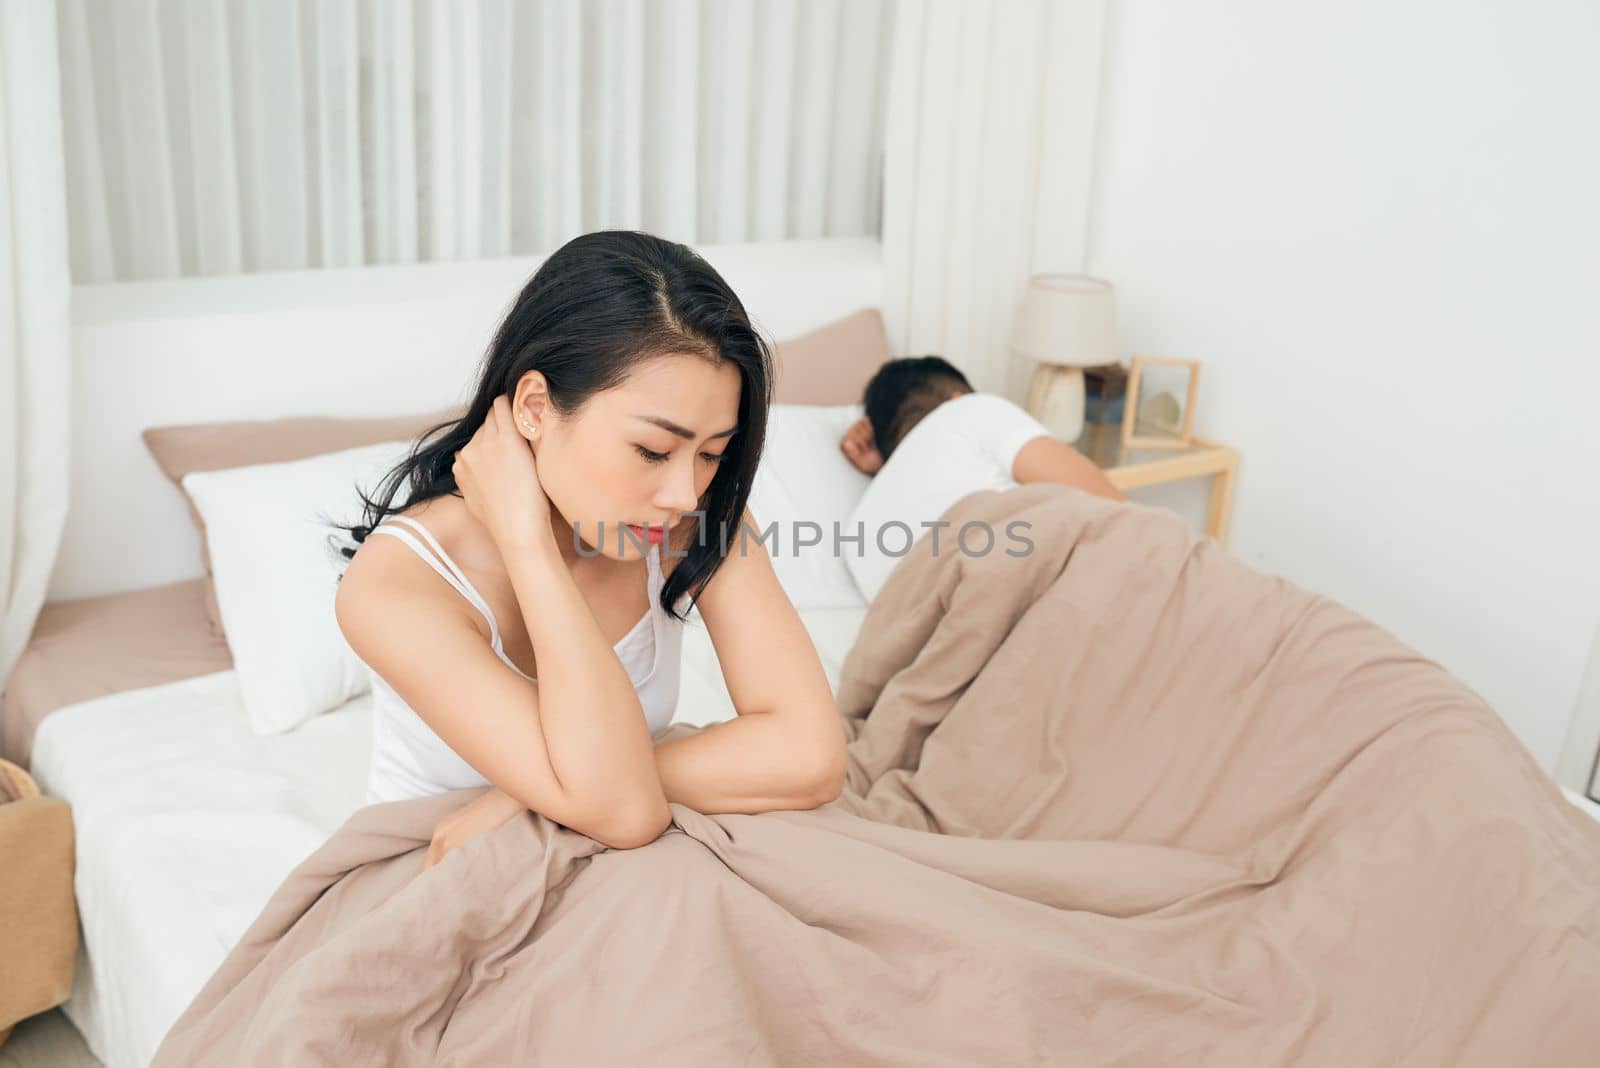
x=386, y=571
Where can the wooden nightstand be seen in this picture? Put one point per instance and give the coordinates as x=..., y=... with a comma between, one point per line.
x=39, y=938
x=1130, y=468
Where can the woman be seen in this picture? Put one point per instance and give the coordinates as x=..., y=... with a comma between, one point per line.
x=520, y=623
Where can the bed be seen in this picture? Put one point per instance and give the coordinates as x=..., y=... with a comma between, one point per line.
x=1117, y=800
x=188, y=821
x=126, y=703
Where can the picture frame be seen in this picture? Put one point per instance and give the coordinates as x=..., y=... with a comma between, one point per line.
x=1149, y=420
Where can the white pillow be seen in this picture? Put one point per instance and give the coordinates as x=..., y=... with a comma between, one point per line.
x=276, y=570
x=805, y=478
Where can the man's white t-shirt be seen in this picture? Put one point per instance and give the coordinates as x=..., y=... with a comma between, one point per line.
x=964, y=445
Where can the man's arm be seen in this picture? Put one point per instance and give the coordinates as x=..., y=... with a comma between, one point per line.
x=860, y=448
x=1045, y=459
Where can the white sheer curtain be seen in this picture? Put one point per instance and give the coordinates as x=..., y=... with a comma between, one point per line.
x=34, y=289
x=987, y=170
x=223, y=136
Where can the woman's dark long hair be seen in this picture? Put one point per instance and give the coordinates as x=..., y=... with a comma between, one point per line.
x=601, y=304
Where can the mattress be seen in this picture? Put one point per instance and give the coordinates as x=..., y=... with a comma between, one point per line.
x=103, y=645
x=187, y=822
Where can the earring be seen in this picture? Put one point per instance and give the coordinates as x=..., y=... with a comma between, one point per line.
x=530, y=427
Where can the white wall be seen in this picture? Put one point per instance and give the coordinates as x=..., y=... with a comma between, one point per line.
x=1376, y=223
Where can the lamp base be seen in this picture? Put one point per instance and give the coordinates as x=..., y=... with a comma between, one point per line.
x=1055, y=398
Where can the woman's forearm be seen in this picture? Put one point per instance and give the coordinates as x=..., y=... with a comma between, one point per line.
x=594, y=727
x=746, y=764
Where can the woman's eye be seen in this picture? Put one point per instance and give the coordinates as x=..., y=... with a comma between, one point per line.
x=661, y=457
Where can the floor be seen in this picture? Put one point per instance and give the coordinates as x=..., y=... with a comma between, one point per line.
x=46, y=1041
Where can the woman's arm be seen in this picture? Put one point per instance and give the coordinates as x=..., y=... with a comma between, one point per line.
x=786, y=747
x=1044, y=459
x=594, y=725
x=420, y=637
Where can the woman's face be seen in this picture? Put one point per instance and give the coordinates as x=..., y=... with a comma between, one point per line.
x=641, y=454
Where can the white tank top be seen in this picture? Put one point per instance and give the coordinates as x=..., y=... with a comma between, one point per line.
x=410, y=760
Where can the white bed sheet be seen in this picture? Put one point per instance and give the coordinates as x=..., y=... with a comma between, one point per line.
x=187, y=822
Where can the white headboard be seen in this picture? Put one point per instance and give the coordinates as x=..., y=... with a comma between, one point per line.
x=368, y=341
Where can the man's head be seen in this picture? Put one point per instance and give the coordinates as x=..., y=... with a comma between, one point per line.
x=905, y=390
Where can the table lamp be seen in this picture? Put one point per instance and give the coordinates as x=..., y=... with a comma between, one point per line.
x=1066, y=322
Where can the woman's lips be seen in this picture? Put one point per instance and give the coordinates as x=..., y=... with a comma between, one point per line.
x=652, y=534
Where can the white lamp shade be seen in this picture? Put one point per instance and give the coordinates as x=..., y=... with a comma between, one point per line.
x=1069, y=320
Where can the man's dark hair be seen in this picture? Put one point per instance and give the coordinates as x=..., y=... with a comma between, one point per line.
x=905, y=390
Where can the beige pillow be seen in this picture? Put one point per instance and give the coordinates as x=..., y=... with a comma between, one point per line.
x=831, y=364
x=215, y=446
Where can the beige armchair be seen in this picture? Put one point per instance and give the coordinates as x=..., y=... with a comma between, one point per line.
x=38, y=912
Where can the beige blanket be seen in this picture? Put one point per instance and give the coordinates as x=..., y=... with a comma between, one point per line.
x=1119, y=801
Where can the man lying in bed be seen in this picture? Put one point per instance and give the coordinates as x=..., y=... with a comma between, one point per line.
x=936, y=440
